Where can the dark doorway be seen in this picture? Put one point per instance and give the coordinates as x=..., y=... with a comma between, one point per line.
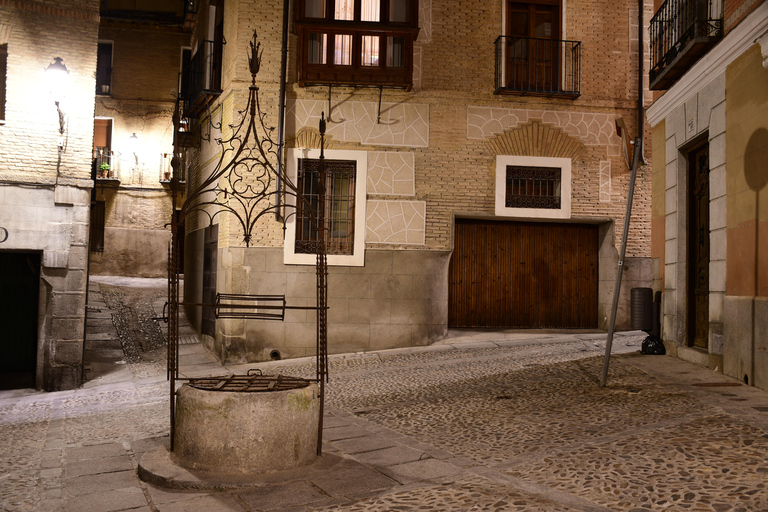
x=210, y=251
x=19, y=294
x=523, y=274
x=698, y=247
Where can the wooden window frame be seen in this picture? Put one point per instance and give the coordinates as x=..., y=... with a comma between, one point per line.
x=337, y=195
x=356, y=74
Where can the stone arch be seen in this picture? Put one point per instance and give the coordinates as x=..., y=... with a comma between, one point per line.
x=535, y=139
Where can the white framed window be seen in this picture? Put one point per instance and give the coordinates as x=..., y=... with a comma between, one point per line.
x=533, y=187
x=345, y=206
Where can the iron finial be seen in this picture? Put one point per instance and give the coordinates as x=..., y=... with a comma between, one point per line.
x=254, y=59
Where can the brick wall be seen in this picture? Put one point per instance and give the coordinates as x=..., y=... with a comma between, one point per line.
x=454, y=170
x=44, y=192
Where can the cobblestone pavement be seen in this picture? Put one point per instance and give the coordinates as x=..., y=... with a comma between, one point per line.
x=503, y=421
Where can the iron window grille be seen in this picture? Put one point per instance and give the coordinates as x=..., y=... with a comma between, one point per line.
x=533, y=187
x=340, y=178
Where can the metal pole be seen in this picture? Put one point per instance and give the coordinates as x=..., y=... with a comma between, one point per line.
x=281, y=108
x=637, y=157
x=617, y=289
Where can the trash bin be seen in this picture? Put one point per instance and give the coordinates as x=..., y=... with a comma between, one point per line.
x=641, y=306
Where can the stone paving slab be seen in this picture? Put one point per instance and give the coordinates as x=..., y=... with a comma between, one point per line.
x=505, y=421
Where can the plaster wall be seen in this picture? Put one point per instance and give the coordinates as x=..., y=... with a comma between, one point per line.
x=746, y=182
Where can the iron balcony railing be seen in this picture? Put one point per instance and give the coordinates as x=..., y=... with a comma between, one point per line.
x=201, y=80
x=536, y=66
x=681, y=32
x=106, y=165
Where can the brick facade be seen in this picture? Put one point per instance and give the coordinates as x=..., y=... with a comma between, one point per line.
x=44, y=191
x=451, y=125
x=146, y=60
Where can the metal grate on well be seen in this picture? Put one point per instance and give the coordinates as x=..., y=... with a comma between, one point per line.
x=253, y=382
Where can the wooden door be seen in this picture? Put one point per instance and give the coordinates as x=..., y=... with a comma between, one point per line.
x=533, y=31
x=210, y=266
x=523, y=275
x=698, y=248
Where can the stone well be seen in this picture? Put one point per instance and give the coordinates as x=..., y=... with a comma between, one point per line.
x=246, y=432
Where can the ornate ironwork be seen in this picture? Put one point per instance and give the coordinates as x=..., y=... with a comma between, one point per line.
x=247, y=184
x=532, y=187
x=681, y=30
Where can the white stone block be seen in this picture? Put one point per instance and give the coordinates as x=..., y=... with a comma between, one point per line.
x=670, y=226
x=671, y=149
x=692, y=117
x=717, y=120
x=671, y=200
x=717, y=276
x=716, y=307
x=717, y=151
x=717, y=212
x=670, y=276
x=717, y=245
x=55, y=259
x=717, y=186
x=670, y=177
x=670, y=251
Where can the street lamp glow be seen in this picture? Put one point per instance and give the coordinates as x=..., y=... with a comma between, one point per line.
x=57, y=79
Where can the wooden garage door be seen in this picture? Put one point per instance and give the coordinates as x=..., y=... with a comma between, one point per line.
x=523, y=274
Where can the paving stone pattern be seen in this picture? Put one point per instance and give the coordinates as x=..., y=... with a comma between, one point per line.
x=478, y=422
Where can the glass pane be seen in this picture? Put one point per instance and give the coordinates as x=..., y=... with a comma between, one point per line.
x=543, y=25
x=398, y=10
x=518, y=23
x=345, y=10
x=318, y=48
x=395, y=52
x=370, y=10
x=342, y=55
x=314, y=9
x=370, y=51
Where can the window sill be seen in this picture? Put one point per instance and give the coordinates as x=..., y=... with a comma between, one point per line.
x=538, y=94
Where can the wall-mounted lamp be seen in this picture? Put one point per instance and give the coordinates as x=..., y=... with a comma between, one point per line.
x=133, y=146
x=57, y=78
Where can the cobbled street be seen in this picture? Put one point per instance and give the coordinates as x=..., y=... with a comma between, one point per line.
x=481, y=421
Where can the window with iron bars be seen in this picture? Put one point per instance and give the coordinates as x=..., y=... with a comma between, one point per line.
x=339, y=207
x=533, y=187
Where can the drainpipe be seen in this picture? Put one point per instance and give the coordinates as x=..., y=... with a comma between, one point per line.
x=281, y=108
x=636, y=160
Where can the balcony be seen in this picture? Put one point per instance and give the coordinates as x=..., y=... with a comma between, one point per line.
x=538, y=67
x=106, y=166
x=201, y=80
x=682, y=31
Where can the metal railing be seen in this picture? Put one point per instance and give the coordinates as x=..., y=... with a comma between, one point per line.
x=203, y=75
x=679, y=23
x=106, y=164
x=544, y=67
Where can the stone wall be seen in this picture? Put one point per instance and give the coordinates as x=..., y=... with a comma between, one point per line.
x=45, y=192
x=144, y=86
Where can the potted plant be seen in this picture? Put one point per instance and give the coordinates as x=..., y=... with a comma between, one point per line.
x=104, y=170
